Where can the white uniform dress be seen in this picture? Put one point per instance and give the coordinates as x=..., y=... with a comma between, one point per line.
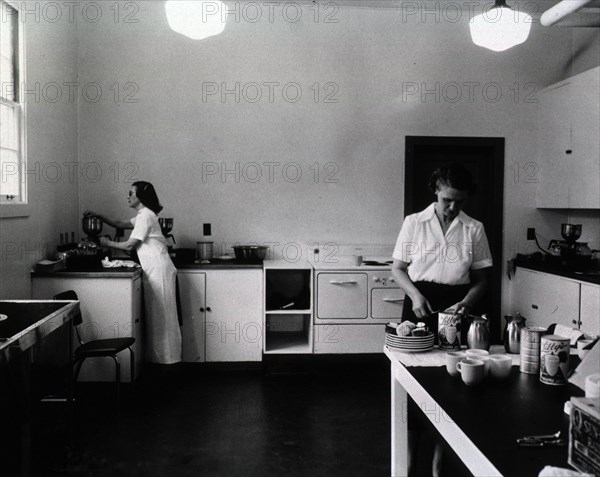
x=163, y=336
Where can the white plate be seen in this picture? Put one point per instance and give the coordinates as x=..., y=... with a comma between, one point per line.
x=405, y=350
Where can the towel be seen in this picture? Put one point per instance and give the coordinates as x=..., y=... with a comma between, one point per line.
x=106, y=263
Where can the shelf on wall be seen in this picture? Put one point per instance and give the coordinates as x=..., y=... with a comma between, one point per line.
x=290, y=311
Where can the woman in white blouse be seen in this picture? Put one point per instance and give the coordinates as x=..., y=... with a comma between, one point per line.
x=163, y=343
x=442, y=256
x=441, y=260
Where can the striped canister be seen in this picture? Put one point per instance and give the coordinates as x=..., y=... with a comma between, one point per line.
x=531, y=342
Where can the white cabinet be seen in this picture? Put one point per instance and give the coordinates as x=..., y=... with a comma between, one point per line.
x=349, y=338
x=192, y=295
x=110, y=307
x=589, y=317
x=387, y=303
x=544, y=299
x=568, y=145
x=222, y=314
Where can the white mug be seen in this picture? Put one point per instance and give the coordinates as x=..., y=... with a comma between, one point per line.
x=471, y=371
x=476, y=353
x=452, y=359
x=501, y=365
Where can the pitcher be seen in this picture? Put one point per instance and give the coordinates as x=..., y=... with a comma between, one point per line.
x=478, y=336
x=512, y=333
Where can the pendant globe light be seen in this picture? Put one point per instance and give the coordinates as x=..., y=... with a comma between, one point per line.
x=196, y=19
x=500, y=28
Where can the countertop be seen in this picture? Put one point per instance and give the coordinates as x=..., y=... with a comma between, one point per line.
x=120, y=272
x=541, y=265
x=215, y=264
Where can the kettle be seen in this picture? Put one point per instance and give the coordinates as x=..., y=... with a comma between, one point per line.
x=512, y=333
x=478, y=335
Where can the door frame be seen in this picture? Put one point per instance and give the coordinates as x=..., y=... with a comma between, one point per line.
x=496, y=179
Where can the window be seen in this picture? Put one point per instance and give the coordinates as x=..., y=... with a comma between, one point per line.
x=12, y=130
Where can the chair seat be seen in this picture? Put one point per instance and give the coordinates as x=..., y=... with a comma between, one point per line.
x=104, y=347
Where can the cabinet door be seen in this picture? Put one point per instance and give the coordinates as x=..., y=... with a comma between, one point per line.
x=138, y=331
x=234, y=304
x=553, y=143
x=107, y=310
x=583, y=164
x=590, y=309
x=192, y=294
x=387, y=303
x=342, y=295
x=544, y=299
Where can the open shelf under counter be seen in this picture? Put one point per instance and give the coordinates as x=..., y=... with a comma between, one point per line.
x=287, y=342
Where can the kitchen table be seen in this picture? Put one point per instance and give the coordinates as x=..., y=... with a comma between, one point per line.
x=481, y=424
x=25, y=324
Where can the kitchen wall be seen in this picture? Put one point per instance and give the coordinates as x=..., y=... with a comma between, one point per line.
x=51, y=148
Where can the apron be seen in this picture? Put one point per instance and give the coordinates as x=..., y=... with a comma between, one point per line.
x=163, y=343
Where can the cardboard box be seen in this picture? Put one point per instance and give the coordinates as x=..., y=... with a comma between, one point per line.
x=584, y=435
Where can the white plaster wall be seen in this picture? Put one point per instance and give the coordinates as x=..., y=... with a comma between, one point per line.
x=51, y=149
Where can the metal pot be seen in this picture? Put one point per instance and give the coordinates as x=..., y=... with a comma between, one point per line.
x=250, y=253
x=204, y=250
x=92, y=226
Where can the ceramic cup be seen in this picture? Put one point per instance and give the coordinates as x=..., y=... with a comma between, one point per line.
x=582, y=344
x=487, y=363
x=452, y=359
x=500, y=365
x=471, y=371
x=552, y=361
x=476, y=353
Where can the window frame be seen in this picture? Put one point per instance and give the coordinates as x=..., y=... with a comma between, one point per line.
x=21, y=206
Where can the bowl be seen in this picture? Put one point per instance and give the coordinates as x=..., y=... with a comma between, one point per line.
x=250, y=253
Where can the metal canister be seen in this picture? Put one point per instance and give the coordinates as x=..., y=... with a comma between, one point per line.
x=554, y=360
x=530, y=345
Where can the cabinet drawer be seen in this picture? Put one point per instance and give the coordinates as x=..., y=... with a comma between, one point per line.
x=349, y=339
x=342, y=295
x=387, y=302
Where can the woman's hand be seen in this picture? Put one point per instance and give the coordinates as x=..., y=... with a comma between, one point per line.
x=90, y=213
x=104, y=242
x=421, y=307
x=462, y=308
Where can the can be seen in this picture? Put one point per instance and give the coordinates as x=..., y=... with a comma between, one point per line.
x=554, y=360
x=449, y=330
x=531, y=341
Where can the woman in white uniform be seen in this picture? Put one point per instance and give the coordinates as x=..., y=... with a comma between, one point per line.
x=163, y=336
x=441, y=261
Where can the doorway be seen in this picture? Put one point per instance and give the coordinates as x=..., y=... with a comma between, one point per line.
x=484, y=158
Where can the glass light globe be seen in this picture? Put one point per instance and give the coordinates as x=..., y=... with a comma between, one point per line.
x=196, y=19
x=500, y=28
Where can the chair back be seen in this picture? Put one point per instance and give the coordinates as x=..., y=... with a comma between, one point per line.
x=78, y=320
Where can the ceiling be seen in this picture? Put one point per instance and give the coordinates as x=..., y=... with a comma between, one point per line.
x=587, y=16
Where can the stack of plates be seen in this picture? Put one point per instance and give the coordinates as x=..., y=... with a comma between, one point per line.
x=410, y=344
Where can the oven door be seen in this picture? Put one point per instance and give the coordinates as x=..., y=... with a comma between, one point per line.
x=342, y=296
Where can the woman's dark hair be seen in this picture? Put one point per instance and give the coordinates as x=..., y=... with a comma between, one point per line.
x=455, y=175
x=147, y=195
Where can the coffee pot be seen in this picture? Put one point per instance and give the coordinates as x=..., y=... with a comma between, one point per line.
x=512, y=333
x=478, y=335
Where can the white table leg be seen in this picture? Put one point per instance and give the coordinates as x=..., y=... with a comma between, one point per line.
x=399, y=428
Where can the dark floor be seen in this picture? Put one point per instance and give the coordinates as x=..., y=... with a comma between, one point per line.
x=319, y=416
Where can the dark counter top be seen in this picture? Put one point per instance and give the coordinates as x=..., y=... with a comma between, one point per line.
x=120, y=272
x=215, y=264
x=541, y=265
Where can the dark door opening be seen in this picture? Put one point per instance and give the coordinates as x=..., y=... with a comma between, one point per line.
x=484, y=158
